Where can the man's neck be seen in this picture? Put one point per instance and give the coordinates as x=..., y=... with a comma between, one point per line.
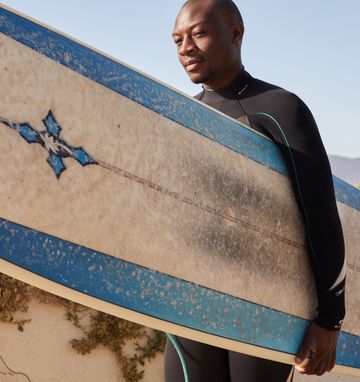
x=223, y=84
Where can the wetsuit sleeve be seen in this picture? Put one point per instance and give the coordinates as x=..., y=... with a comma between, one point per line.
x=294, y=129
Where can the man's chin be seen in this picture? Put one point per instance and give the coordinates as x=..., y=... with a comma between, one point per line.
x=198, y=78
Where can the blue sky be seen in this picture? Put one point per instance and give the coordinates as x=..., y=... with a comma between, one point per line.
x=308, y=47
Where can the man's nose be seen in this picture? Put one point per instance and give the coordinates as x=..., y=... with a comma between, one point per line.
x=187, y=46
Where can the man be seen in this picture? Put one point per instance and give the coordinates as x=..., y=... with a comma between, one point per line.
x=208, y=35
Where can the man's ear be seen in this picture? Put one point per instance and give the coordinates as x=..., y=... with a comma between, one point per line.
x=238, y=32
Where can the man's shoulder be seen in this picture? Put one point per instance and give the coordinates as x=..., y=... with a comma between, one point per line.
x=274, y=93
x=283, y=105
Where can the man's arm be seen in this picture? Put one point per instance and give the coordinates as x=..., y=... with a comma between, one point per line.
x=292, y=126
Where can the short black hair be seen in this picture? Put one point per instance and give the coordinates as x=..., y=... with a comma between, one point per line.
x=227, y=7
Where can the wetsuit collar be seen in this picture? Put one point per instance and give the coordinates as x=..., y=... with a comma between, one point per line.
x=236, y=87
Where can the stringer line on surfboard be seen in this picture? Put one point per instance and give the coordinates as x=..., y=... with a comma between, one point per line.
x=55, y=150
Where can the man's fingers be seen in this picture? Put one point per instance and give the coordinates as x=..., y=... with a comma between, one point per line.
x=319, y=364
x=306, y=365
x=323, y=344
x=322, y=368
x=312, y=367
x=304, y=351
x=331, y=363
x=315, y=364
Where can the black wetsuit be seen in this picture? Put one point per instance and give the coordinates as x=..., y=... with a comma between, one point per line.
x=283, y=117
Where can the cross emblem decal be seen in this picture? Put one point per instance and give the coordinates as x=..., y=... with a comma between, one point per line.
x=50, y=139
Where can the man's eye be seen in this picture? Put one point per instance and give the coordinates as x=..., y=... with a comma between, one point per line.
x=199, y=33
x=177, y=42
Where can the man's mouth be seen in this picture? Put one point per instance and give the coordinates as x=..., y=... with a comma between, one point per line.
x=193, y=64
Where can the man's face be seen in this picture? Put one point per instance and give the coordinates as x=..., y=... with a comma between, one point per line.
x=207, y=44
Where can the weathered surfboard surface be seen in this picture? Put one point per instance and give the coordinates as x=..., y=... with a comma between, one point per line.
x=123, y=194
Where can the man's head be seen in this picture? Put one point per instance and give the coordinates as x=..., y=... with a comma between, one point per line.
x=208, y=36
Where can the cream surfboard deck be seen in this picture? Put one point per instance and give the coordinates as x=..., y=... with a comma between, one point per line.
x=125, y=195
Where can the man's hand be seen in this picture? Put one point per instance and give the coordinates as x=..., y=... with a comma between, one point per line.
x=320, y=343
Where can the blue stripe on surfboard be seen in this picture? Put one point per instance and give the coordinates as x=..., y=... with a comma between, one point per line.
x=154, y=96
x=158, y=295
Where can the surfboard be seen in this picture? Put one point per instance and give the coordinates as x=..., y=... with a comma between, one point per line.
x=125, y=195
